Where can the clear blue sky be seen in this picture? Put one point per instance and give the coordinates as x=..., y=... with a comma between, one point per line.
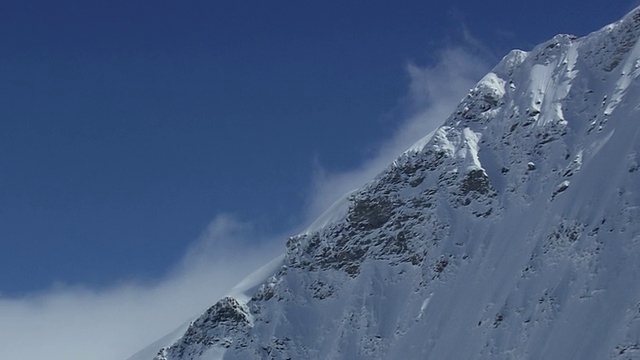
x=126, y=126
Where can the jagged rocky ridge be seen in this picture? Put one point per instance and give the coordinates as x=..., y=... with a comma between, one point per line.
x=514, y=233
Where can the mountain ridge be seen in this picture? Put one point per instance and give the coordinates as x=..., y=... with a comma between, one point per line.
x=511, y=233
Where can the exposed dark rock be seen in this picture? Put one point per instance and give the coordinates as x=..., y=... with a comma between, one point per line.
x=369, y=214
x=477, y=181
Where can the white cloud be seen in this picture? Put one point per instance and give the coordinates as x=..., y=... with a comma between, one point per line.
x=433, y=93
x=80, y=323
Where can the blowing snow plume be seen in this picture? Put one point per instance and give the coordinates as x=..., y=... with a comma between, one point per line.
x=434, y=91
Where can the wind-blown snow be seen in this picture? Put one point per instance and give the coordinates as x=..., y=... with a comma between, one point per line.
x=336, y=212
x=243, y=291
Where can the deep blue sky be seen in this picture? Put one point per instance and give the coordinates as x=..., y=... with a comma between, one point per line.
x=126, y=126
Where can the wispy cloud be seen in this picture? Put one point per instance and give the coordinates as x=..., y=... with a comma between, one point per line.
x=81, y=323
x=433, y=93
x=114, y=323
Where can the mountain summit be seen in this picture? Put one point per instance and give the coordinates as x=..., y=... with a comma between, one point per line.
x=512, y=233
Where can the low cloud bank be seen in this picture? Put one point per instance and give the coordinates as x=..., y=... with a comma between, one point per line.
x=80, y=323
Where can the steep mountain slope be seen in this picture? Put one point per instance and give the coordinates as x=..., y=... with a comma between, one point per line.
x=513, y=233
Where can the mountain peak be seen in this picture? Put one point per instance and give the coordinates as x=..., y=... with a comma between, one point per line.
x=611, y=44
x=511, y=227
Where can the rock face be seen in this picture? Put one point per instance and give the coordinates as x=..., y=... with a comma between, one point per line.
x=514, y=233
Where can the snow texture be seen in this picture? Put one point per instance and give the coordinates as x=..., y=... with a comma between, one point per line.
x=512, y=232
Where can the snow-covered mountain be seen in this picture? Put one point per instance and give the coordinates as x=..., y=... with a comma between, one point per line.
x=513, y=233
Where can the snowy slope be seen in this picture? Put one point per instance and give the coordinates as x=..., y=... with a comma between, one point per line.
x=512, y=233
